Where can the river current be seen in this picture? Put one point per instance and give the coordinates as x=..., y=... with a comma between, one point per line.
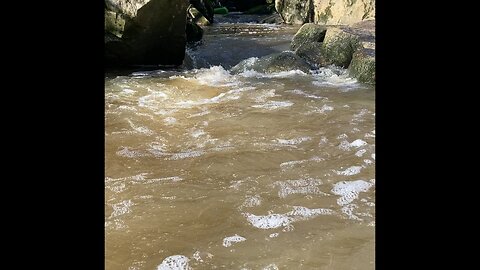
x=206, y=169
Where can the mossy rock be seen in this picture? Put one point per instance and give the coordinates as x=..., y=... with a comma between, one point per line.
x=198, y=17
x=338, y=47
x=114, y=23
x=205, y=8
x=312, y=53
x=272, y=63
x=308, y=33
x=362, y=66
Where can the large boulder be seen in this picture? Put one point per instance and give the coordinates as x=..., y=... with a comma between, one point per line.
x=332, y=12
x=338, y=47
x=148, y=31
x=351, y=47
x=276, y=62
x=362, y=66
x=312, y=53
x=343, y=12
x=295, y=11
x=308, y=33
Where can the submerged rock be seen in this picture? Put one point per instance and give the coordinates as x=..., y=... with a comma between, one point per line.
x=277, y=62
x=308, y=33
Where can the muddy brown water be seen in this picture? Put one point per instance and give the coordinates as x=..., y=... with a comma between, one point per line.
x=209, y=170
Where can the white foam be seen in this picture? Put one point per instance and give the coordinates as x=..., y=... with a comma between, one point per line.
x=128, y=91
x=271, y=266
x=345, y=145
x=358, y=143
x=272, y=105
x=225, y=96
x=248, y=73
x=350, y=171
x=325, y=108
x=261, y=97
x=360, y=153
x=197, y=257
x=273, y=235
x=127, y=108
x=170, y=120
x=153, y=100
x=301, y=93
x=117, y=187
x=126, y=152
x=301, y=186
x=169, y=179
x=175, y=262
x=294, y=141
x=252, y=201
x=214, y=76
x=290, y=164
x=202, y=113
x=228, y=241
x=348, y=211
x=373, y=156
x=121, y=208
x=268, y=222
x=197, y=133
x=272, y=221
x=349, y=190
x=304, y=212
x=367, y=161
x=188, y=154
x=333, y=76
x=140, y=129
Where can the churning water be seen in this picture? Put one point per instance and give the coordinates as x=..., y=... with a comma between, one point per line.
x=210, y=170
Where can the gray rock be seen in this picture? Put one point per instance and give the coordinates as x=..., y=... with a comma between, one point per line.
x=295, y=11
x=338, y=47
x=277, y=62
x=362, y=66
x=312, y=53
x=150, y=31
x=308, y=33
x=332, y=12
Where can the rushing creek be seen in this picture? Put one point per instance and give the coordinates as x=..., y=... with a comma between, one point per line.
x=210, y=170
